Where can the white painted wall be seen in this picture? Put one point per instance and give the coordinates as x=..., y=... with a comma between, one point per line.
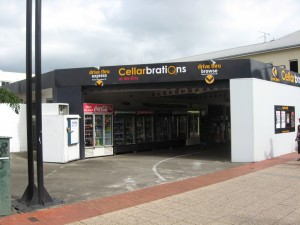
x=14, y=125
x=242, y=121
x=252, y=119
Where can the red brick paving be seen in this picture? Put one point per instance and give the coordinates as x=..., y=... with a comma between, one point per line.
x=78, y=211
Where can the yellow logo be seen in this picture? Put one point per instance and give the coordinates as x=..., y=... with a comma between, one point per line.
x=274, y=72
x=99, y=83
x=209, y=79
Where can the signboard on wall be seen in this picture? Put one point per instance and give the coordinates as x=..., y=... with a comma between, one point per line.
x=206, y=72
x=97, y=108
x=73, y=131
x=284, y=119
x=281, y=75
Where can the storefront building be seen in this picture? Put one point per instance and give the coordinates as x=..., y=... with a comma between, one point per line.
x=252, y=105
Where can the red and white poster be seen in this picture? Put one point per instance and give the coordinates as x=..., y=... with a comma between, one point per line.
x=97, y=108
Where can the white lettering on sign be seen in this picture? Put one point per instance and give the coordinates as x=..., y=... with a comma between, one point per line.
x=97, y=108
x=103, y=108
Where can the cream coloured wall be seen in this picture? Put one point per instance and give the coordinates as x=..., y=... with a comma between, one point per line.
x=278, y=58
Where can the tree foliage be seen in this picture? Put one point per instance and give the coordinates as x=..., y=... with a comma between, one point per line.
x=8, y=97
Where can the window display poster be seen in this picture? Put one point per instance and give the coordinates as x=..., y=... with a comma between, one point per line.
x=284, y=119
x=73, y=134
x=277, y=119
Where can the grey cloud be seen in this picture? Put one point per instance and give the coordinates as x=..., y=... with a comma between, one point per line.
x=79, y=33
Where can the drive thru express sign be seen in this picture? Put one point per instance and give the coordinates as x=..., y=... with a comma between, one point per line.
x=204, y=71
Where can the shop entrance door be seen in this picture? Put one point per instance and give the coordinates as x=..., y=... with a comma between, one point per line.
x=103, y=128
x=107, y=130
x=99, y=130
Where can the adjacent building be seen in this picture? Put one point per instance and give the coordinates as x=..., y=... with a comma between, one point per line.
x=10, y=77
x=284, y=52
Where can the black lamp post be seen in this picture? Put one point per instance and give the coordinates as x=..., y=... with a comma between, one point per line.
x=34, y=195
x=29, y=196
x=43, y=195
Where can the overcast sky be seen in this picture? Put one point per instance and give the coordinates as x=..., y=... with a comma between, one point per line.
x=82, y=33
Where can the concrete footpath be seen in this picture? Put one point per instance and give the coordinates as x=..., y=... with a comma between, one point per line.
x=266, y=192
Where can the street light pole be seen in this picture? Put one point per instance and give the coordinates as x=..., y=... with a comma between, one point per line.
x=34, y=195
x=29, y=98
x=43, y=195
x=29, y=197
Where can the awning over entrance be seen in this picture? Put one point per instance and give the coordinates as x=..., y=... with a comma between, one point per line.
x=207, y=72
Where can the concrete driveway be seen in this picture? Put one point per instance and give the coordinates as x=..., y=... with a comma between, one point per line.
x=106, y=176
